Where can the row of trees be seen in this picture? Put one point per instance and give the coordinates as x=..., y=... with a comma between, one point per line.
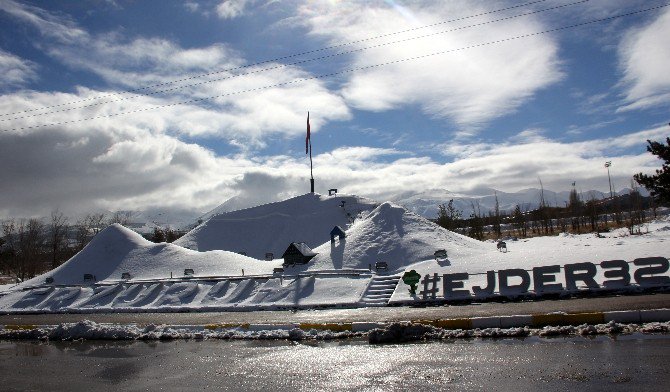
x=577, y=216
x=29, y=247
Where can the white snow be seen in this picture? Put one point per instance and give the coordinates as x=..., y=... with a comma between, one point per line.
x=394, y=235
x=391, y=333
x=270, y=228
x=558, y=249
x=338, y=276
x=116, y=250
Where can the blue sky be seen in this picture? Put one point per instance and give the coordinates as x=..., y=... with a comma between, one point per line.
x=421, y=97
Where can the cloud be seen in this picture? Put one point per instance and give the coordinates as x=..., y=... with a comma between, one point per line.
x=59, y=27
x=249, y=103
x=230, y=9
x=145, y=159
x=192, y=6
x=469, y=87
x=15, y=71
x=644, y=55
x=473, y=172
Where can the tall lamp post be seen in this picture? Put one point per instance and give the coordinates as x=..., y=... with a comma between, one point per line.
x=607, y=165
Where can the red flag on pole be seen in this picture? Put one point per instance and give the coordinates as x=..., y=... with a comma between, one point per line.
x=307, y=138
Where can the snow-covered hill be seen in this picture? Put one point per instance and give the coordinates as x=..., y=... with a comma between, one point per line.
x=393, y=235
x=116, y=250
x=270, y=228
x=342, y=273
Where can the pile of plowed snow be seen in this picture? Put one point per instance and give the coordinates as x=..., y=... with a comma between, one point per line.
x=394, y=235
x=116, y=250
x=270, y=228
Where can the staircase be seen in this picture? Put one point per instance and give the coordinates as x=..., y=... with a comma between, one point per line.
x=380, y=290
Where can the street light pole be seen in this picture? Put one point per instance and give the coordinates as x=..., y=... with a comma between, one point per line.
x=607, y=165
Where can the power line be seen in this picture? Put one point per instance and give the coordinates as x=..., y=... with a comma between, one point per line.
x=135, y=90
x=323, y=76
x=299, y=62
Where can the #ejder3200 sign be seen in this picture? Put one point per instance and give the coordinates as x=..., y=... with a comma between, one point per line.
x=576, y=277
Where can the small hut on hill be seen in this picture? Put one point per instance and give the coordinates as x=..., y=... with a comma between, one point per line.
x=298, y=253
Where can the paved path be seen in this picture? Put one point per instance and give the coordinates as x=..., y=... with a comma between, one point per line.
x=373, y=314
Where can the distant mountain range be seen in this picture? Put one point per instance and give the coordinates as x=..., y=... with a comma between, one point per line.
x=426, y=203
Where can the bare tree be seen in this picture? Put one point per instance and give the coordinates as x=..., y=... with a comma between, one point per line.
x=10, y=245
x=575, y=207
x=476, y=223
x=30, y=243
x=86, y=228
x=95, y=222
x=496, y=218
x=121, y=217
x=58, y=236
x=635, y=211
x=520, y=221
x=592, y=211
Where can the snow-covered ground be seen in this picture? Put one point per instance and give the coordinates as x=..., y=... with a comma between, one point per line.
x=342, y=273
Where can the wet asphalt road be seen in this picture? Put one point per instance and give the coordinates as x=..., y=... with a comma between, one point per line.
x=624, y=363
x=380, y=314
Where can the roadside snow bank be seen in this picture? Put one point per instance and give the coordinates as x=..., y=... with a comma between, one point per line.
x=408, y=332
x=391, y=333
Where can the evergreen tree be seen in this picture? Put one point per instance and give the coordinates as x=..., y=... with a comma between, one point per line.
x=659, y=184
x=448, y=216
x=158, y=235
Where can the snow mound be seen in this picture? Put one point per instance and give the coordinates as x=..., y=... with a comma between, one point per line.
x=392, y=234
x=270, y=228
x=117, y=250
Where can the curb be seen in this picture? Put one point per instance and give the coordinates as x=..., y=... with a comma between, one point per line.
x=533, y=320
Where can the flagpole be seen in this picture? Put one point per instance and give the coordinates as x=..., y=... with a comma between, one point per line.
x=311, y=172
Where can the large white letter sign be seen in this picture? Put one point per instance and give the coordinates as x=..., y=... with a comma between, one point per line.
x=584, y=272
x=506, y=288
x=660, y=266
x=616, y=269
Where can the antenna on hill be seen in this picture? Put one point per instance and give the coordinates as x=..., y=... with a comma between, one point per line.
x=308, y=148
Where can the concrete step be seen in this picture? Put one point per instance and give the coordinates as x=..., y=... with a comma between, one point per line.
x=380, y=290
